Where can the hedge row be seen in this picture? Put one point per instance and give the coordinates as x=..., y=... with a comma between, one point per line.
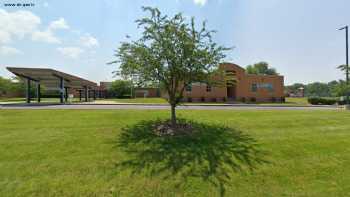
x=322, y=101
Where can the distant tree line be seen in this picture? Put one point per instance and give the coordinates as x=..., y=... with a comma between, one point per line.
x=123, y=88
x=261, y=68
x=16, y=87
x=12, y=87
x=318, y=89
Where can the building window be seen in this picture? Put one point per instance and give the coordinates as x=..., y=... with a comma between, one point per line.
x=267, y=86
x=254, y=87
x=188, y=88
x=208, y=88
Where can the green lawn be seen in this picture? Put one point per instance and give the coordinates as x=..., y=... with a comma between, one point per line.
x=14, y=99
x=297, y=101
x=139, y=100
x=235, y=153
x=34, y=100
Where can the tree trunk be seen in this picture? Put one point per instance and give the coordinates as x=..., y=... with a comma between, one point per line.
x=173, y=115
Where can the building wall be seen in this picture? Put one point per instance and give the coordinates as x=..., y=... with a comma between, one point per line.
x=199, y=93
x=262, y=93
x=146, y=92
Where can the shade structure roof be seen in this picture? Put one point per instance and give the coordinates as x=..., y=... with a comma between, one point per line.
x=50, y=78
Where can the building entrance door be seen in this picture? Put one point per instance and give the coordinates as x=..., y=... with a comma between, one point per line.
x=231, y=93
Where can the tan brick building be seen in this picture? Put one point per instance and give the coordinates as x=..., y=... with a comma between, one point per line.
x=248, y=88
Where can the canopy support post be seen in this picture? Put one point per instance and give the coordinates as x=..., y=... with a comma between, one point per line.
x=38, y=94
x=80, y=95
x=66, y=94
x=61, y=90
x=86, y=93
x=28, y=91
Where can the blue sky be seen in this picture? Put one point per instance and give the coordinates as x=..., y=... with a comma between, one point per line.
x=299, y=38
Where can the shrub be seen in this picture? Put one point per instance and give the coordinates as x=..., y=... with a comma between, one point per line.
x=189, y=99
x=243, y=99
x=313, y=100
x=203, y=99
x=321, y=101
x=253, y=100
x=330, y=101
x=341, y=102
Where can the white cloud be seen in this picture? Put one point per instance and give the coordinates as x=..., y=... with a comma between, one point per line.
x=88, y=41
x=58, y=24
x=48, y=35
x=17, y=24
x=22, y=24
x=70, y=52
x=5, y=37
x=200, y=2
x=45, y=36
x=6, y=51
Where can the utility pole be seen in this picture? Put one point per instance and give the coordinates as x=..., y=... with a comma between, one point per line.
x=346, y=28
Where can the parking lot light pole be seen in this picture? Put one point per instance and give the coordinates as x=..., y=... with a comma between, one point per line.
x=346, y=28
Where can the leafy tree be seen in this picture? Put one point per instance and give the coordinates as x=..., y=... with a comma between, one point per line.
x=339, y=88
x=5, y=85
x=344, y=87
x=12, y=86
x=171, y=52
x=342, y=67
x=261, y=68
x=17, y=86
x=294, y=88
x=121, y=88
x=317, y=89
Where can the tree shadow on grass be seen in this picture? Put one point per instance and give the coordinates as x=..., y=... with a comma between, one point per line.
x=212, y=153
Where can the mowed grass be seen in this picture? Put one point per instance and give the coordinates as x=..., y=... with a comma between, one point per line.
x=297, y=100
x=139, y=100
x=90, y=153
x=34, y=100
x=14, y=99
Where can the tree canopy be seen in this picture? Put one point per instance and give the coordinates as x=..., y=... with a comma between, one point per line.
x=171, y=52
x=12, y=86
x=342, y=67
x=261, y=68
x=121, y=88
x=319, y=89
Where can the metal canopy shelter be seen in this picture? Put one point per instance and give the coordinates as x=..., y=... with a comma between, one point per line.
x=51, y=78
